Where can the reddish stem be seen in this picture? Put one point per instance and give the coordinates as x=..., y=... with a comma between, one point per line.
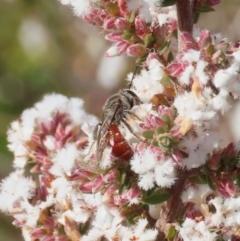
x=185, y=18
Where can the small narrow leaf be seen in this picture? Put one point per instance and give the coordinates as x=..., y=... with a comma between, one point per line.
x=168, y=3
x=127, y=35
x=165, y=80
x=200, y=179
x=148, y=40
x=171, y=232
x=148, y=134
x=160, y=130
x=170, y=57
x=157, y=197
x=210, y=183
x=167, y=120
x=204, y=9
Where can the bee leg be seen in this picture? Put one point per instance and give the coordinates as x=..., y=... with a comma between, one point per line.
x=96, y=130
x=131, y=130
x=134, y=73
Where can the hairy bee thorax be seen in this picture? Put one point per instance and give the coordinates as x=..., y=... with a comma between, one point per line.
x=122, y=103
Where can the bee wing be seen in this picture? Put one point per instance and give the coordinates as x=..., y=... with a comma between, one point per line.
x=102, y=139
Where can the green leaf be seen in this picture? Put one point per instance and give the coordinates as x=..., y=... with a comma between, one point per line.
x=160, y=130
x=204, y=9
x=168, y=3
x=164, y=47
x=210, y=183
x=170, y=57
x=83, y=228
x=199, y=179
x=113, y=8
x=141, y=59
x=171, y=232
x=124, y=182
x=155, y=143
x=132, y=17
x=127, y=34
x=167, y=120
x=196, y=18
x=148, y=40
x=157, y=197
x=165, y=80
x=148, y=134
x=210, y=49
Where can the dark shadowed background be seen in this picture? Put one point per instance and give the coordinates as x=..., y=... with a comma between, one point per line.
x=44, y=48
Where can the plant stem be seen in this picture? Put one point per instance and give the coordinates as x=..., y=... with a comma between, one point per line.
x=185, y=18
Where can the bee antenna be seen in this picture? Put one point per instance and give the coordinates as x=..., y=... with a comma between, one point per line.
x=134, y=73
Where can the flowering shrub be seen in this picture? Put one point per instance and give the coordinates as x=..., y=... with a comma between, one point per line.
x=171, y=172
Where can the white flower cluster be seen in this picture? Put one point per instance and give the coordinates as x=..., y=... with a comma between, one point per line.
x=21, y=131
x=82, y=7
x=53, y=119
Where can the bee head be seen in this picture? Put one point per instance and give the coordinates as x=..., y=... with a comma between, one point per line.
x=130, y=98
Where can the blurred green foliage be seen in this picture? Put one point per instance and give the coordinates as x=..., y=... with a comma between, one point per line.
x=43, y=48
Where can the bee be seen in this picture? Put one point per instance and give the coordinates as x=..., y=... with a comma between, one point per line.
x=117, y=110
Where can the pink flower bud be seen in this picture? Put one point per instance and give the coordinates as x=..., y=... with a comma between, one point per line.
x=150, y=57
x=226, y=187
x=171, y=26
x=111, y=176
x=122, y=24
x=41, y=193
x=214, y=2
x=229, y=150
x=97, y=184
x=136, y=50
x=215, y=161
x=131, y=193
x=152, y=122
x=176, y=68
x=117, y=49
x=109, y=24
x=140, y=27
x=111, y=189
x=205, y=39
x=86, y=187
x=163, y=110
x=114, y=37
x=38, y=232
x=139, y=147
x=48, y=222
x=81, y=174
x=177, y=157
x=119, y=201
x=122, y=4
x=188, y=42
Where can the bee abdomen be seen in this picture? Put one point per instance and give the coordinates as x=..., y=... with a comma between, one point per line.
x=120, y=147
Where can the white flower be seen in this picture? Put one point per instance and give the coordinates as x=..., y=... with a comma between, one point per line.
x=65, y=160
x=186, y=74
x=80, y=7
x=191, y=230
x=147, y=84
x=151, y=170
x=15, y=189
x=165, y=14
x=198, y=196
x=198, y=147
x=142, y=6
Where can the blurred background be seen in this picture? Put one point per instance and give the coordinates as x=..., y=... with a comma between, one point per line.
x=44, y=48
